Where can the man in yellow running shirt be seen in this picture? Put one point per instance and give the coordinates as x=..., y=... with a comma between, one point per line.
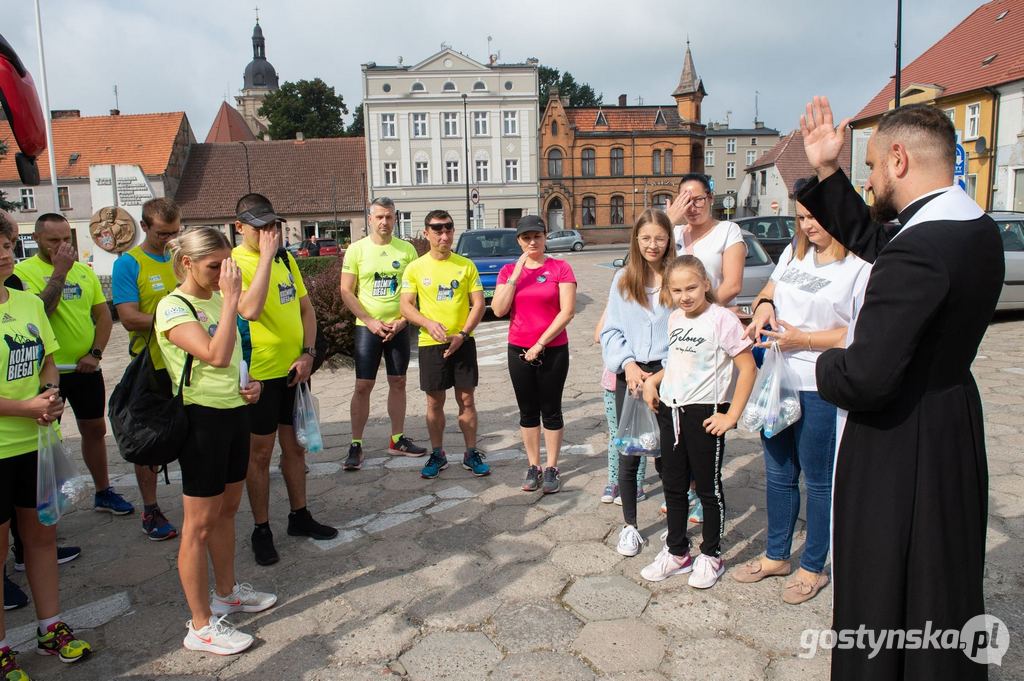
x=370, y=278
x=446, y=287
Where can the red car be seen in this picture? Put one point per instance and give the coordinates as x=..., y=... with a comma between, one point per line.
x=319, y=247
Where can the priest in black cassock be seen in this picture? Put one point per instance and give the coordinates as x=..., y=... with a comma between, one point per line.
x=910, y=500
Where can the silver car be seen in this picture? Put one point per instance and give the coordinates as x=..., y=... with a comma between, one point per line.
x=1011, y=229
x=564, y=240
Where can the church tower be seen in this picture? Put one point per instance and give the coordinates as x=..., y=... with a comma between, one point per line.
x=259, y=80
x=690, y=92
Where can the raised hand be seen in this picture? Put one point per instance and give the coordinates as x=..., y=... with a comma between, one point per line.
x=270, y=241
x=63, y=258
x=823, y=141
x=677, y=209
x=230, y=279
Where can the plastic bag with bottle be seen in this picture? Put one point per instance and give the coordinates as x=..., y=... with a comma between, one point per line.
x=638, y=433
x=307, y=421
x=57, y=487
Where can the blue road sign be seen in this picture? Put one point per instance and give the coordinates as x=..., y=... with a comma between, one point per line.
x=711, y=183
x=960, y=167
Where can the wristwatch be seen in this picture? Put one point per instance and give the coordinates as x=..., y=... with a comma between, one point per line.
x=464, y=334
x=97, y=353
x=48, y=386
x=309, y=351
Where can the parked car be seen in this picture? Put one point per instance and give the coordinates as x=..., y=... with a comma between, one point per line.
x=775, y=232
x=490, y=250
x=25, y=248
x=565, y=240
x=757, y=269
x=310, y=248
x=1011, y=229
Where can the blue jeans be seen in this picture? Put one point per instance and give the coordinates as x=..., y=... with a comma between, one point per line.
x=808, y=445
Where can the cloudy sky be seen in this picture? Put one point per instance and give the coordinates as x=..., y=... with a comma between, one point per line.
x=188, y=54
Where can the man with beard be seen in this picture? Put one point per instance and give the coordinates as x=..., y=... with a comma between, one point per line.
x=910, y=500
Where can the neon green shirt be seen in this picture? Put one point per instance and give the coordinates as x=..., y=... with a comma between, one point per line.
x=28, y=338
x=378, y=272
x=72, y=320
x=442, y=288
x=210, y=386
x=153, y=282
x=277, y=336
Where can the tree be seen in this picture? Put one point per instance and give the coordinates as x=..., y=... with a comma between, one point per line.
x=356, y=128
x=307, y=106
x=579, y=94
x=4, y=203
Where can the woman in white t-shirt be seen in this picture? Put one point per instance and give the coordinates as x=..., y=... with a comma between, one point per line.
x=808, y=302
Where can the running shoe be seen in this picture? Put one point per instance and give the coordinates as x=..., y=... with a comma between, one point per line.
x=217, y=637
x=630, y=541
x=473, y=460
x=403, y=446
x=157, y=527
x=696, y=515
x=263, y=546
x=666, y=565
x=243, y=598
x=354, y=461
x=610, y=493
x=9, y=666
x=641, y=494
x=301, y=524
x=109, y=501
x=59, y=640
x=531, y=483
x=552, y=482
x=14, y=597
x=435, y=464
x=706, y=571
x=65, y=554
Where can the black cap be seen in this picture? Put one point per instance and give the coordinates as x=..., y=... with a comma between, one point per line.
x=530, y=223
x=260, y=215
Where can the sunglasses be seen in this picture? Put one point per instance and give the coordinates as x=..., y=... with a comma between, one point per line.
x=534, y=363
x=442, y=226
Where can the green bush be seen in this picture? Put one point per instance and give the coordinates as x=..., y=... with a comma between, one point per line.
x=334, y=320
x=310, y=267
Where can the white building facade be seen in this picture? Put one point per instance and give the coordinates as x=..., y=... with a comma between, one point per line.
x=449, y=126
x=1008, y=187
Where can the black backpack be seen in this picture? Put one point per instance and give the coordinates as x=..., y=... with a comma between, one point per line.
x=148, y=419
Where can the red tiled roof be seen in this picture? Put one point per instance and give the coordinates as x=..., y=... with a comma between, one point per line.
x=955, y=63
x=622, y=118
x=142, y=139
x=300, y=178
x=229, y=126
x=789, y=157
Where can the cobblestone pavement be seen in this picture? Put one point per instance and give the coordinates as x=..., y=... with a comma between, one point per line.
x=471, y=578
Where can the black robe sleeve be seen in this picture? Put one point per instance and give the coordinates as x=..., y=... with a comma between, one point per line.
x=842, y=212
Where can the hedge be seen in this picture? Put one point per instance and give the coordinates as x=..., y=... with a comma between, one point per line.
x=310, y=267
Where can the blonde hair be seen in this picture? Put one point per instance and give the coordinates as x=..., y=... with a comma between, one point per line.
x=196, y=243
x=691, y=262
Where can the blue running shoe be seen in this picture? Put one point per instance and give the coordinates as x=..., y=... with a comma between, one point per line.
x=435, y=464
x=157, y=527
x=696, y=516
x=109, y=501
x=473, y=460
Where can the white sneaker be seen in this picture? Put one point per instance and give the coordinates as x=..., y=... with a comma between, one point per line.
x=706, y=571
x=666, y=565
x=217, y=637
x=630, y=541
x=242, y=599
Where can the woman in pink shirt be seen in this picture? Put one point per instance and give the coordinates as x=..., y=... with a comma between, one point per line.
x=540, y=294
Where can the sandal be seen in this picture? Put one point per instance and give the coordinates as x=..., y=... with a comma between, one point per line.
x=800, y=590
x=757, y=569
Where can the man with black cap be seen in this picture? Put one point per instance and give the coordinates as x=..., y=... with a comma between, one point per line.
x=282, y=326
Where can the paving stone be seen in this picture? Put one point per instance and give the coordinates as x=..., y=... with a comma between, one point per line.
x=514, y=518
x=528, y=627
x=718, y=659
x=512, y=548
x=530, y=582
x=392, y=554
x=691, y=612
x=579, y=527
x=542, y=666
x=584, y=558
x=621, y=645
x=467, y=656
x=378, y=672
x=606, y=597
x=448, y=609
x=797, y=669
x=376, y=639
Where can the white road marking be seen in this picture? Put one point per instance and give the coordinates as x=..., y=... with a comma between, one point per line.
x=88, y=616
x=491, y=344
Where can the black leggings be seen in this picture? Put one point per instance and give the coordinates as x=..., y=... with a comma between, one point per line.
x=629, y=465
x=539, y=388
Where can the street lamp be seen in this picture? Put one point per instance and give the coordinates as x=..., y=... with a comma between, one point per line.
x=465, y=140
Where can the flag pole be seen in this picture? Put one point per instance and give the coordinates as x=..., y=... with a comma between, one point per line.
x=46, y=110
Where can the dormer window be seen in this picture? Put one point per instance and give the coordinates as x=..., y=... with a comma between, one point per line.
x=601, y=120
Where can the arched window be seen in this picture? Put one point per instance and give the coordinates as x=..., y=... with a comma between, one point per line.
x=479, y=85
x=556, y=215
x=589, y=210
x=588, y=167
x=555, y=163
x=618, y=162
x=554, y=127
x=449, y=86
x=668, y=161
x=417, y=87
x=656, y=162
x=618, y=210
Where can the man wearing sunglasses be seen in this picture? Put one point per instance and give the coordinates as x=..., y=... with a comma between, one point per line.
x=447, y=289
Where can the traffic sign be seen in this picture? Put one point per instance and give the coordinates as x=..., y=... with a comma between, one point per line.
x=711, y=183
x=775, y=206
x=960, y=167
x=474, y=195
x=729, y=202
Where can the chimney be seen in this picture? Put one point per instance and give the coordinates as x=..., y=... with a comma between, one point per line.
x=622, y=100
x=115, y=112
x=758, y=124
x=299, y=136
x=65, y=113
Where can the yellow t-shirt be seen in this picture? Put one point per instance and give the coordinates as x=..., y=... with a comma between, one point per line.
x=277, y=335
x=210, y=386
x=27, y=339
x=378, y=272
x=155, y=279
x=72, y=320
x=443, y=288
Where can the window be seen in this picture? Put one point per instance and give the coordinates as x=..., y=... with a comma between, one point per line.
x=730, y=145
x=510, y=122
x=751, y=157
x=709, y=158
x=730, y=170
x=589, y=166
x=973, y=120
x=404, y=223
x=753, y=141
x=422, y=172
x=710, y=142
x=483, y=171
x=451, y=172
x=448, y=87
x=417, y=87
x=661, y=201
x=480, y=123
x=451, y=123
x=390, y=173
x=656, y=162
x=63, y=198
x=972, y=186
x=555, y=163
x=618, y=162
x=387, y=126
x=477, y=220
x=667, y=156
x=764, y=183
x=386, y=87
x=28, y=199
x=512, y=170
x=419, y=125
x=479, y=85
x=618, y=210
x=589, y=210
x=554, y=127
x=951, y=115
